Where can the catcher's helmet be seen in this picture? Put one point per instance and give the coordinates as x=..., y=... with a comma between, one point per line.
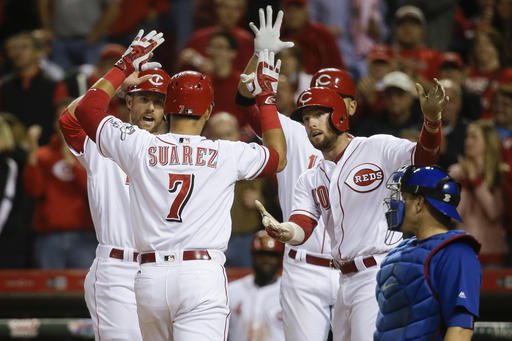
x=336, y=79
x=262, y=242
x=433, y=183
x=190, y=94
x=158, y=83
x=324, y=98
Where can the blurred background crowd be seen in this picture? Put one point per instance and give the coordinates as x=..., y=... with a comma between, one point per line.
x=53, y=50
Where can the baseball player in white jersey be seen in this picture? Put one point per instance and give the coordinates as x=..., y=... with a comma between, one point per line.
x=346, y=189
x=181, y=191
x=256, y=314
x=310, y=282
x=109, y=284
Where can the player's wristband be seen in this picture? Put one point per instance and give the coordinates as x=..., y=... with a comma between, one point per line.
x=244, y=101
x=266, y=98
x=268, y=118
x=115, y=76
x=433, y=125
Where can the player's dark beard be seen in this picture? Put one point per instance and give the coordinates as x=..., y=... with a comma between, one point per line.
x=327, y=142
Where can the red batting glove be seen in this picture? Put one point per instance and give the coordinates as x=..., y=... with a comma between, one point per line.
x=136, y=56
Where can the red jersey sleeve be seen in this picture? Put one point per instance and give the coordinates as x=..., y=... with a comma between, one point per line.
x=72, y=131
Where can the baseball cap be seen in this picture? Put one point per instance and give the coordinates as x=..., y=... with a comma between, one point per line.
x=294, y=2
x=157, y=83
x=452, y=59
x=114, y=51
x=410, y=12
x=399, y=79
x=379, y=53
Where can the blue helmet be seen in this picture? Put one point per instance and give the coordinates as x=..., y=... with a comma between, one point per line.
x=433, y=183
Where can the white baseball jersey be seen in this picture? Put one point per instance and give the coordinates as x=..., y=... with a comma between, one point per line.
x=301, y=155
x=355, y=188
x=107, y=189
x=255, y=311
x=181, y=186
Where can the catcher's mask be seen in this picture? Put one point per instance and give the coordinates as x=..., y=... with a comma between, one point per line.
x=433, y=183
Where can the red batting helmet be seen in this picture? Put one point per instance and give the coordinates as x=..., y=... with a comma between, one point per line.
x=262, y=242
x=190, y=94
x=158, y=83
x=339, y=80
x=324, y=98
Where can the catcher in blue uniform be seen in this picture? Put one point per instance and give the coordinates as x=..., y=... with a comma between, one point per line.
x=428, y=288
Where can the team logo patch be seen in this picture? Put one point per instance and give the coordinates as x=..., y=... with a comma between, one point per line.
x=365, y=177
x=156, y=80
x=323, y=80
x=305, y=98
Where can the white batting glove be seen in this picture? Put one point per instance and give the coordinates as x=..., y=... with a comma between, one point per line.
x=140, y=50
x=286, y=232
x=262, y=84
x=267, y=36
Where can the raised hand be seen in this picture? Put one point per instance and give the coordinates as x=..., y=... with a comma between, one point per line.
x=433, y=102
x=263, y=83
x=140, y=50
x=267, y=35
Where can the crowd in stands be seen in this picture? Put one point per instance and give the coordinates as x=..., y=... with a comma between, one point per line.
x=53, y=50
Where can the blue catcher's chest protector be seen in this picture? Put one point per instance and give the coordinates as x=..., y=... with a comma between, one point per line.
x=408, y=309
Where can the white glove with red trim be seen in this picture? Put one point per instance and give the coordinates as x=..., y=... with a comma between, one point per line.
x=263, y=83
x=140, y=50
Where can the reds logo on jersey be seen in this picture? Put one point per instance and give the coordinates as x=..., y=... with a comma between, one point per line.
x=156, y=80
x=365, y=177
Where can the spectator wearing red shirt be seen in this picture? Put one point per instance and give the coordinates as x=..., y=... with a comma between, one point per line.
x=317, y=43
x=224, y=76
x=62, y=221
x=408, y=46
x=229, y=13
x=133, y=15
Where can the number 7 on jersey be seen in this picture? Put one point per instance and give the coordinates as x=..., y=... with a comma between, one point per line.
x=185, y=182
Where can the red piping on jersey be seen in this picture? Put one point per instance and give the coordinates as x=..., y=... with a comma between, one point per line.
x=167, y=142
x=96, y=299
x=323, y=239
x=338, y=158
x=272, y=163
x=341, y=205
x=263, y=165
x=325, y=173
x=426, y=266
x=226, y=323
